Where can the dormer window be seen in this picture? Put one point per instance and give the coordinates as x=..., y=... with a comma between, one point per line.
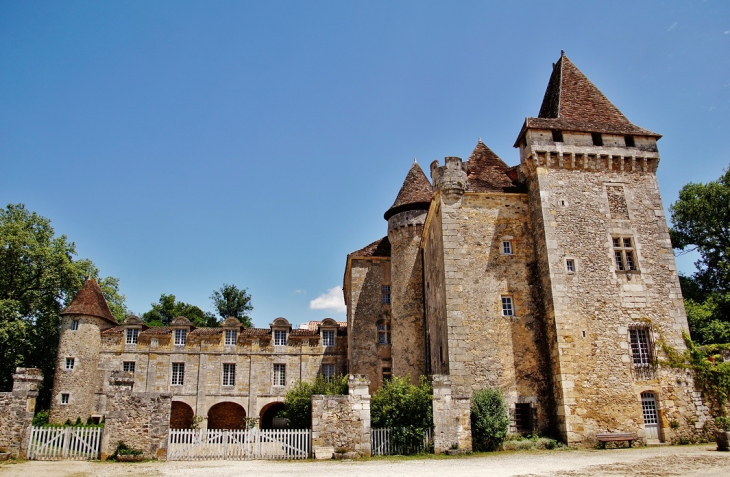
x=132, y=334
x=328, y=338
x=181, y=337
x=279, y=337
x=231, y=336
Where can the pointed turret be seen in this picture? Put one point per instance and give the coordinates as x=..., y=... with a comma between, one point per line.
x=90, y=301
x=415, y=194
x=573, y=103
x=486, y=172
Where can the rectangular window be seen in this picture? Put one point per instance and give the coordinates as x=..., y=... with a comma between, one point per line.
x=387, y=375
x=178, y=373
x=132, y=334
x=507, y=306
x=507, y=247
x=279, y=375
x=128, y=366
x=641, y=351
x=328, y=371
x=328, y=338
x=557, y=135
x=74, y=325
x=181, y=337
x=623, y=252
x=383, y=333
x=597, y=139
x=231, y=336
x=630, y=141
x=386, y=294
x=523, y=417
x=70, y=363
x=64, y=398
x=570, y=265
x=229, y=374
x=279, y=338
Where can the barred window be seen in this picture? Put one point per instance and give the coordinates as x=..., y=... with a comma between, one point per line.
x=180, y=337
x=231, y=336
x=279, y=375
x=74, y=325
x=64, y=398
x=385, y=289
x=507, y=306
x=229, y=374
x=279, y=338
x=132, y=334
x=623, y=252
x=70, y=363
x=328, y=338
x=641, y=349
x=383, y=332
x=523, y=417
x=178, y=373
x=128, y=366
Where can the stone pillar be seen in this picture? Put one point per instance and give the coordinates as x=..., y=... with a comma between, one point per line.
x=17, y=409
x=359, y=390
x=451, y=418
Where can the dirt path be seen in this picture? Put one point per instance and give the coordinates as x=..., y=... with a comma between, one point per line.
x=645, y=462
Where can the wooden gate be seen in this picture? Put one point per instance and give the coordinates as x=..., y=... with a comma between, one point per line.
x=56, y=443
x=238, y=444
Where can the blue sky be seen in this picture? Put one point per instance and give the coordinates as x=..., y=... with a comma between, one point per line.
x=182, y=145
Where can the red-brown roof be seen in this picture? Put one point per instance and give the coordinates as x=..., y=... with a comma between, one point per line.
x=573, y=103
x=379, y=248
x=416, y=193
x=486, y=172
x=90, y=301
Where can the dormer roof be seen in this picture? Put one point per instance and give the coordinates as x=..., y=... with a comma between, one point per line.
x=414, y=194
x=90, y=301
x=573, y=103
x=486, y=172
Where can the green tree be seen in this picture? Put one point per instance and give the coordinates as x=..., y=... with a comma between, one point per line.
x=298, y=401
x=38, y=279
x=701, y=222
x=168, y=308
x=406, y=408
x=230, y=301
x=489, y=419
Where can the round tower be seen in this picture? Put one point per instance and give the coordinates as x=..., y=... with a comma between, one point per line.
x=78, y=376
x=406, y=218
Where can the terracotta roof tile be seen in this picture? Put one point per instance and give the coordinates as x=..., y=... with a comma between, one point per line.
x=252, y=332
x=117, y=330
x=486, y=172
x=573, y=103
x=206, y=331
x=301, y=332
x=90, y=301
x=379, y=248
x=416, y=193
x=157, y=330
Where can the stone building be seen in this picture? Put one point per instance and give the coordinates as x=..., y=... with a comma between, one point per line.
x=552, y=280
x=223, y=374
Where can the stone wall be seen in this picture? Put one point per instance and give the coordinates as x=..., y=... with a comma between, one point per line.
x=451, y=418
x=341, y=424
x=16, y=410
x=140, y=420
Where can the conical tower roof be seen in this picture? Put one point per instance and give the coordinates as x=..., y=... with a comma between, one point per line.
x=415, y=194
x=573, y=103
x=486, y=172
x=90, y=301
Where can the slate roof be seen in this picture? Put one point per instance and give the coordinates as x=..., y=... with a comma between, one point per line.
x=486, y=172
x=90, y=301
x=415, y=194
x=573, y=103
x=379, y=248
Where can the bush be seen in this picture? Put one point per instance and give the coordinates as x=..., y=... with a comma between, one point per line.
x=40, y=418
x=298, y=401
x=405, y=408
x=123, y=449
x=489, y=420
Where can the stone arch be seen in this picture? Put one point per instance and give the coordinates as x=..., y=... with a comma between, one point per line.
x=227, y=415
x=181, y=415
x=267, y=415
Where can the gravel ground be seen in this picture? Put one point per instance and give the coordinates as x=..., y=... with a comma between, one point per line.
x=700, y=460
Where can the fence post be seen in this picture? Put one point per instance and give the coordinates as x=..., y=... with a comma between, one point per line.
x=66, y=440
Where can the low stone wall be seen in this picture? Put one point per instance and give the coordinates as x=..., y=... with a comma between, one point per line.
x=341, y=424
x=16, y=410
x=451, y=418
x=140, y=420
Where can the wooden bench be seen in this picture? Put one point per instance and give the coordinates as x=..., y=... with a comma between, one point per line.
x=616, y=437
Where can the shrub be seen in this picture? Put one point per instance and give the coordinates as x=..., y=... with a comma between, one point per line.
x=40, y=418
x=123, y=449
x=298, y=401
x=405, y=408
x=489, y=420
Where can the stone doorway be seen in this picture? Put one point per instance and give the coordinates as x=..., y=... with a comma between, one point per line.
x=268, y=419
x=227, y=415
x=181, y=415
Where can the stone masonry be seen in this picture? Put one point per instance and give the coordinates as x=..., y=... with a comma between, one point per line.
x=16, y=410
x=451, y=418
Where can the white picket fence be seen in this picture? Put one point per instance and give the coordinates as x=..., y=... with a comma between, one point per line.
x=382, y=444
x=238, y=444
x=56, y=443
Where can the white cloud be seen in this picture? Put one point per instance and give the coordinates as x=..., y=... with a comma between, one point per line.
x=727, y=32
x=299, y=291
x=332, y=300
x=674, y=25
